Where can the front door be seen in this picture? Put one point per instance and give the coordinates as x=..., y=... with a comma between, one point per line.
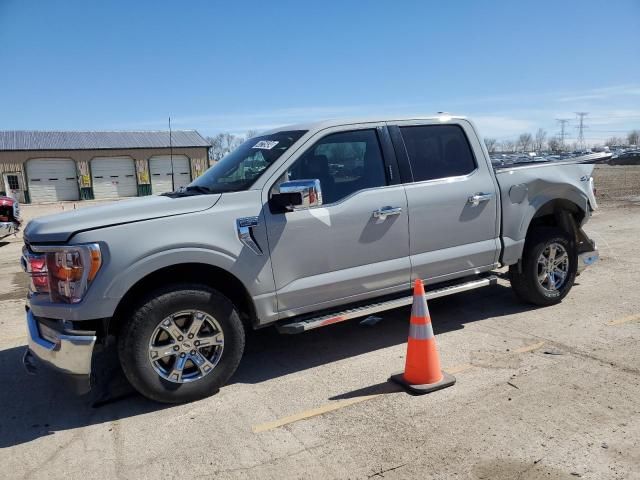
x=340, y=252
x=13, y=186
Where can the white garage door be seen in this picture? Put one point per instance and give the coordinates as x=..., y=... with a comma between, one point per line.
x=113, y=177
x=52, y=179
x=160, y=169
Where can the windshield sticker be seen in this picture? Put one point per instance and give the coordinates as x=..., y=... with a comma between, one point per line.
x=265, y=144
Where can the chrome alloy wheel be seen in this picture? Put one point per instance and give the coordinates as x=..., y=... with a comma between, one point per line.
x=186, y=346
x=553, y=267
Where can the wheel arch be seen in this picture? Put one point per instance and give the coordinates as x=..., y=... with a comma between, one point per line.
x=567, y=213
x=193, y=272
x=562, y=213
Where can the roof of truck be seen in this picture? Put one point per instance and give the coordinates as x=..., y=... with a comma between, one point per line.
x=322, y=124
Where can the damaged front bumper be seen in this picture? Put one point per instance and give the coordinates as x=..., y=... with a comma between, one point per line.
x=67, y=352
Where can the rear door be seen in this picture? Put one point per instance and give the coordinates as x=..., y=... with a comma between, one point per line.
x=340, y=252
x=451, y=193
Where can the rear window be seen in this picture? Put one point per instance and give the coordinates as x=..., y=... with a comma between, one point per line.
x=437, y=151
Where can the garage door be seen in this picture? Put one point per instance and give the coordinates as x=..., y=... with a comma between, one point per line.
x=113, y=177
x=52, y=179
x=160, y=169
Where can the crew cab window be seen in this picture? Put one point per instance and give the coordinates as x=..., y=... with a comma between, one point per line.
x=344, y=163
x=437, y=151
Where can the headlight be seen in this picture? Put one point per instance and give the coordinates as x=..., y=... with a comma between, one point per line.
x=64, y=272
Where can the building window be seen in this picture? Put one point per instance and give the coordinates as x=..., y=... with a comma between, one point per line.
x=13, y=182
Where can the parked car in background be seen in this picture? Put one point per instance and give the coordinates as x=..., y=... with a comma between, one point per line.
x=10, y=220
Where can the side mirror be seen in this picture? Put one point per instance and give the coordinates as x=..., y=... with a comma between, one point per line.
x=297, y=195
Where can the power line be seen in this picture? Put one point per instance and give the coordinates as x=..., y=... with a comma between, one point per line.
x=563, y=130
x=581, y=127
x=173, y=181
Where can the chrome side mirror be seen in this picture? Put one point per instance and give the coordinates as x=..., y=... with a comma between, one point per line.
x=298, y=195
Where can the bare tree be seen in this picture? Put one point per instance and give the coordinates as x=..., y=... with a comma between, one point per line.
x=250, y=134
x=615, y=141
x=492, y=144
x=633, y=137
x=539, y=142
x=524, y=141
x=508, y=146
x=555, y=144
x=221, y=145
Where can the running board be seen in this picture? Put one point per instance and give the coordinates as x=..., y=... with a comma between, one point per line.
x=366, y=310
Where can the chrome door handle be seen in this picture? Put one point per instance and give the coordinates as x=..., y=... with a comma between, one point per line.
x=476, y=199
x=384, y=212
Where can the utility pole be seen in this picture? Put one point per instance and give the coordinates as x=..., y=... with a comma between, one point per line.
x=173, y=181
x=563, y=127
x=581, y=127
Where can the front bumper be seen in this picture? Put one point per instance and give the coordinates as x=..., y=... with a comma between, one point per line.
x=62, y=351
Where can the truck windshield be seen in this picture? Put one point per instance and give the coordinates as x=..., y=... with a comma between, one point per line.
x=240, y=168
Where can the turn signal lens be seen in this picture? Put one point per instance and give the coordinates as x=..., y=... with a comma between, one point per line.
x=96, y=262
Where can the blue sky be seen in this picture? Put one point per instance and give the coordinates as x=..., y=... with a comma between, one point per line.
x=233, y=66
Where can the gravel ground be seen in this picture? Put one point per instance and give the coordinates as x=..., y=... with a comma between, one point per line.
x=540, y=393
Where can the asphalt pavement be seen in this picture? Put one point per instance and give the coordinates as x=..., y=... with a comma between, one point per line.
x=541, y=393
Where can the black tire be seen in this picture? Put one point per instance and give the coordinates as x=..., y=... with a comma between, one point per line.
x=133, y=342
x=525, y=282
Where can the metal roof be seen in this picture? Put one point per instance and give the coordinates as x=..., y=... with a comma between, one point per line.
x=39, y=140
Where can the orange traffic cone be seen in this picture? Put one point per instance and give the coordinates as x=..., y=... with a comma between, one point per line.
x=422, y=373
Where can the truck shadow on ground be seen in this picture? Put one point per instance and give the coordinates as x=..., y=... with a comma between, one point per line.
x=270, y=355
x=38, y=406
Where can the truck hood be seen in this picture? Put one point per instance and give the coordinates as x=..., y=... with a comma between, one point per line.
x=59, y=228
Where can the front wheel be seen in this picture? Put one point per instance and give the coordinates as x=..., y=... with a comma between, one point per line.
x=181, y=343
x=548, y=268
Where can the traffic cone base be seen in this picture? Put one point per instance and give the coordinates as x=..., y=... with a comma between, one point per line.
x=447, y=381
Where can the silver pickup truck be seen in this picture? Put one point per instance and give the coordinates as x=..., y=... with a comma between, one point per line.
x=300, y=227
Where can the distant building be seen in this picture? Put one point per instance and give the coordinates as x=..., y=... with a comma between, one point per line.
x=41, y=166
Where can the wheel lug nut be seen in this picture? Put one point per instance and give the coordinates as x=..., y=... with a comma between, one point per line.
x=182, y=355
x=193, y=352
x=190, y=335
x=196, y=343
x=180, y=338
x=176, y=348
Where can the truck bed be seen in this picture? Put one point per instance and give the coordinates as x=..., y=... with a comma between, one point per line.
x=591, y=158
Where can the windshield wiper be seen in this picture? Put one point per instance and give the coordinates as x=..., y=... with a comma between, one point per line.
x=189, y=191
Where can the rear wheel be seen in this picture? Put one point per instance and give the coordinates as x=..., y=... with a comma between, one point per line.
x=182, y=343
x=548, y=267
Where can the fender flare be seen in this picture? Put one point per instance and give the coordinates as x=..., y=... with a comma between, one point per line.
x=126, y=279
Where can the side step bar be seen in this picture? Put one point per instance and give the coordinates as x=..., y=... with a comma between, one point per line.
x=301, y=326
